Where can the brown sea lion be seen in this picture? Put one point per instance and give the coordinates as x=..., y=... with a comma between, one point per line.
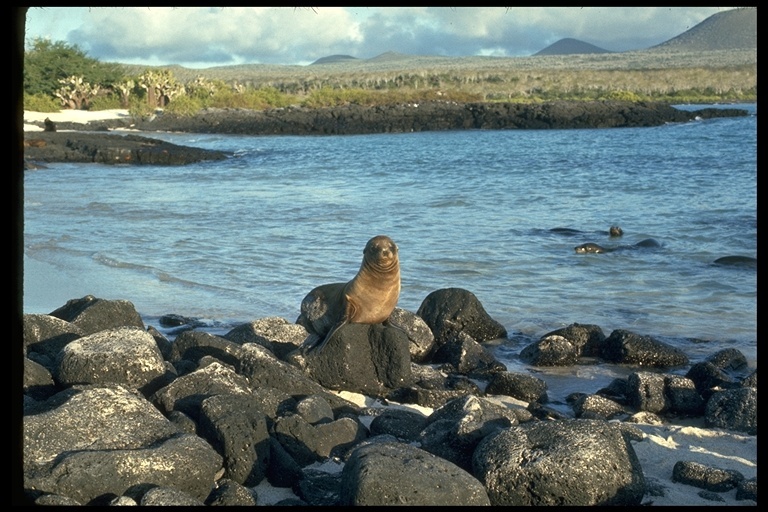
x=368, y=298
x=34, y=143
x=615, y=231
x=50, y=126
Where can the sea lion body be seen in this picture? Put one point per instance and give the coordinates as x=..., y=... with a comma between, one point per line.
x=737, y=261
x=613, y=231
x=648, y=242
x=369, y=298
x=592, y=248
x=565, y=231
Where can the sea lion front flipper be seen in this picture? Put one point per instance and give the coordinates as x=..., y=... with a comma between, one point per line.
x=389, y=323
x=318, y=345
x=348, y=313
x=310, y=342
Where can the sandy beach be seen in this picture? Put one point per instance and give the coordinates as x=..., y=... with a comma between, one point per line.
x=70, y=116
x=661, y=447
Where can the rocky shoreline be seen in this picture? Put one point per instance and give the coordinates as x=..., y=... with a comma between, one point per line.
x=104, y=148
x=88, y=146
x=115, y=413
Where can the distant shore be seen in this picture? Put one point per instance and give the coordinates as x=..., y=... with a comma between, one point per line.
x=396, y=118
x=89, y=146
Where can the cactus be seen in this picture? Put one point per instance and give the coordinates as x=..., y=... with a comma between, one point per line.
x=161, y=87
x=202, y=87
x=76, y=93
x=124, y=89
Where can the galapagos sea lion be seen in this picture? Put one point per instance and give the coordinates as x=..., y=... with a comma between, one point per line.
x=648, y=242
x=613, y=231
x=593, y=248
x=737, y=261
x=50, y=126
x=34, y=143
x=565, y=231
x=369, y=298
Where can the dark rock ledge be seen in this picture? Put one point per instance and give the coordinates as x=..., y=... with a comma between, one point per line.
x=432, y=116
x=105, y=148
x=117, y=414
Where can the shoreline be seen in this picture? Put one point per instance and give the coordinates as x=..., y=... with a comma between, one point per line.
x=396, y=118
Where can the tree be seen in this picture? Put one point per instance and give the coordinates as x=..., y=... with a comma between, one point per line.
x=48, y=62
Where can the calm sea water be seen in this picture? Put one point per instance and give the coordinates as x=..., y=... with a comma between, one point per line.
x=246, y=238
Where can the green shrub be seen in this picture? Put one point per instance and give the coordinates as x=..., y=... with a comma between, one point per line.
x=46, y=62
x=41, y=103
x=185, y=105
x=271, y=97
x=139, y=108
x=105, y=102
x=324, y=97
x=231, y=99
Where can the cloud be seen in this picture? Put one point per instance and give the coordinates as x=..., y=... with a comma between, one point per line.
x=207, y=36
x=227, y=35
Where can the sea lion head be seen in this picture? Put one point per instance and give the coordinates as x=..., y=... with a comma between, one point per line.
x=381, y=254
x=589, y=248
x=615, y=231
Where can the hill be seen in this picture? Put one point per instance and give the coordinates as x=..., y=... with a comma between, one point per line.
x=728, y=30
x=570, y=46
x=389, y=57
x=333, y=59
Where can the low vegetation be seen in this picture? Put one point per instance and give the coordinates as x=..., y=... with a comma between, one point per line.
x=57, y=75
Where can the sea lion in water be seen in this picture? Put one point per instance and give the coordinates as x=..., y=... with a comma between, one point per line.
x=648, y=242
x=593, y=248
x=369, y=298
x=737, y=261
x=613, y=231
x=566, y=231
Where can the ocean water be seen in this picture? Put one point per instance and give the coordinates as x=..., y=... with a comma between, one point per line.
x=232, y=241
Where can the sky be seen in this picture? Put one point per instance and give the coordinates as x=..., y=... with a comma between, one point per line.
x=201, y=37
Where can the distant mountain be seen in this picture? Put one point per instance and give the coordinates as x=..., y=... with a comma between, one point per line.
x=570, y=46
x=384, y=57
x=728, y=30
x=390, y=56
x=331, y=59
